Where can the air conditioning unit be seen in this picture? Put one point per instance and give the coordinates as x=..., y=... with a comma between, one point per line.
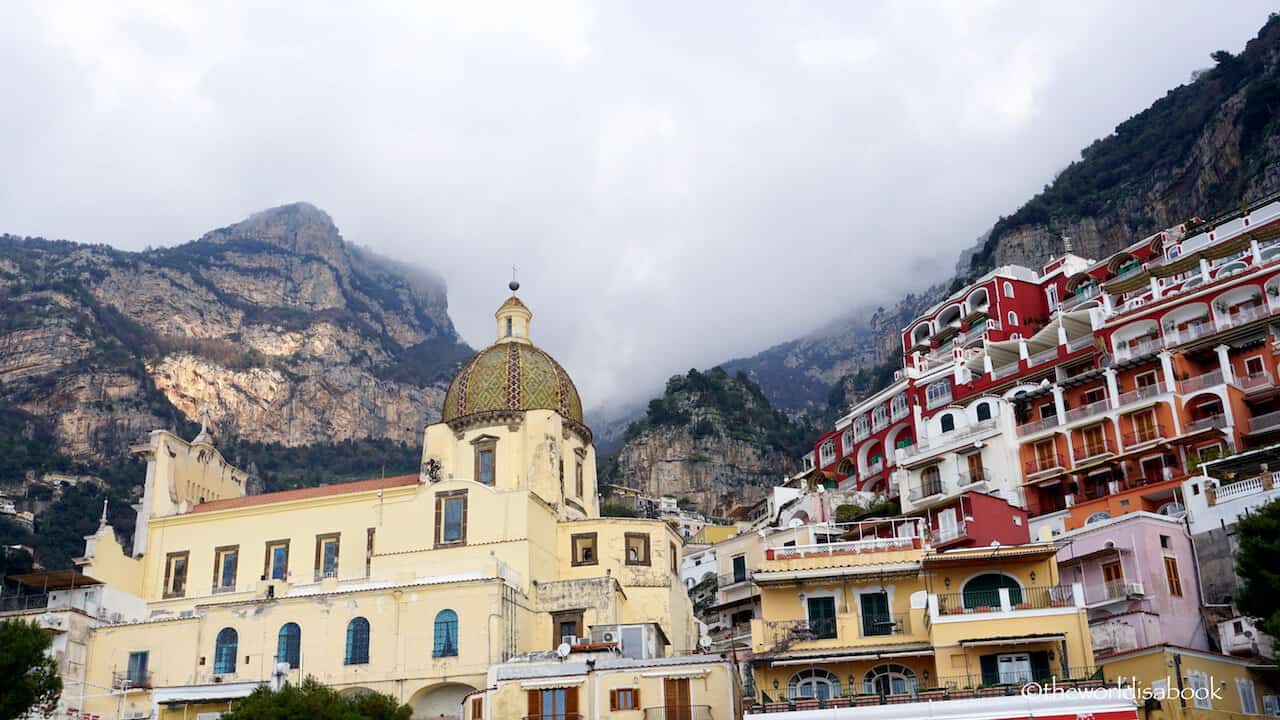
x=609, y=636
x=569, y=640
x=136, y=714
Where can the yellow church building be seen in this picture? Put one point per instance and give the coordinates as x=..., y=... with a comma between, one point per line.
x=416, y=586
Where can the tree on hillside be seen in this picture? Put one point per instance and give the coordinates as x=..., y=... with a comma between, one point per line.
x=313, y=701
x=31, y=681
x=1256, y=562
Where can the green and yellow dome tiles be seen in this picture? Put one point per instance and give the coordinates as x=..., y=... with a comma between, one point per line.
x=510, y=377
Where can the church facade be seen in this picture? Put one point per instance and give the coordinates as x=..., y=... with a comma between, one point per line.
x=415, y=586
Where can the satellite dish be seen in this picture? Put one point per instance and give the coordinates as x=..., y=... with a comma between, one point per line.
x=704, y=642
x=563, y=650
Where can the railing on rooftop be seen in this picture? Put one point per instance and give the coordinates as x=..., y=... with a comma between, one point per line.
x=1248, y=486
x=20, y=603
x=874, y=544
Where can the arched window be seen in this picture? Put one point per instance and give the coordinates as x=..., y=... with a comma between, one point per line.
x=1097, y=518
x=357, y=642
x=984, y=411
x=930, y=481
x=890, y=679
x=814, y=683
x=984, y=590
x=947, y=422
x=289, y=645
x=1013, y=318
x=224, y=651
x=446, y=644
x=1008, y=289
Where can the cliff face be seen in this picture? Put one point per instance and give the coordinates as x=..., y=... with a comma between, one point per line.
x=712, y=438
x=291, y=335
x=1203, y=149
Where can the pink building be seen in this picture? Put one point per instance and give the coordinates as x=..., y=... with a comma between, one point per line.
x=1139, y=578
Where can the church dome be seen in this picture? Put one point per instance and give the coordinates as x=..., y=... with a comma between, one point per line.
x=512, y=375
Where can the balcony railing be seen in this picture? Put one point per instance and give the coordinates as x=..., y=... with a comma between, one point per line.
x=1200, y=382
x=20, y=603
x=1241, y=317
x=1144, y=435
x=875, y=466
x=1266, y=421
x=1089, y=451
x=1036, y=426
x=1043, y=356
x=981, y=474
x=898, y=411
x=1254, y=381
x=947, y=534
x=925, y=489
x=1175, y=336
x=874, y=544
x=1121, y=589
x=730, y=579
x=939, y=399
x=1084, y=411
x=1142, y=393
x=1213, y=421
x=1043, y=465
x=678, y=712
x=885, y=625
x=550, y=715
x=1003, y=371
x=127, y=680
x=783, y=634
x=1080, y=343
x=1248, y=486
x=988, y=601
x=1136, y=350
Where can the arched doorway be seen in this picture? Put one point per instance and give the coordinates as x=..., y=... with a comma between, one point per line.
x=984, y=590
x=814, y=683
x=440, y=701
x=890, y=679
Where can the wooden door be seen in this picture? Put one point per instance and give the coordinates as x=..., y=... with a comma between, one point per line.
x=1144, y=425
x=975, y=468
x=1045, y=455
x=675, y=698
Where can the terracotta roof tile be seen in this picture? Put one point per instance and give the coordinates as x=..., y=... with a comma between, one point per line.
x=306, y=493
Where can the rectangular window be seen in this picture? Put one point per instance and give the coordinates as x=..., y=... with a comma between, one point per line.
x=368, y=553
x=637, y=548
x=1014, y=668
x=477, y=709
x=1248, y=697
x=675, y=560
x=553, y=704
x=1046, y=455
x=578, y=487
x=822, y=617
x=276, y=563
x=175, y=574
x=565, y=625
x=225, y=560
x=451, y=518
x=875, y=614
x=137, y=676
x=327, y=555
x=1200, y=689
x=486, y=448
x=625, y=699
x=1171, y=574
x=1253, y=366
x=1093, y=395
x=584, y=548
x=739, y=568
x=1146, y=380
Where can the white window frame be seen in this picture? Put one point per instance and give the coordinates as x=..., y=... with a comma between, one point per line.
x=1200, y=681
x=1012, y=317
x=827, y=452
x=938, y=393
x=861, y=428
x=1248, y=696
x=1008, y=289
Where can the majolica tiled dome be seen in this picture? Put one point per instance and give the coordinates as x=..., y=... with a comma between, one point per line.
x=512, y=375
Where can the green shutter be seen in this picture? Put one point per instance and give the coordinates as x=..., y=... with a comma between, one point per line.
x=990, y=670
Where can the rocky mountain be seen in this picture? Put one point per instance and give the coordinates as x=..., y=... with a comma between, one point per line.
x=290, y=334
x=712, y=438
x=1203, y=149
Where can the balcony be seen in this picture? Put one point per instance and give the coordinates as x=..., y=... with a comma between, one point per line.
x=733, y=578
x=924, y=490
x=1094, y=408
x=1043, y=356
x=1143, y=393
x=1036, y=426
x=1139, y=349
x=552, y=715
x=1241, y=488
x=1091, y=451
x=950, y=438
x=1175, y=336
x=1121, y=590
x=1243, y=316
x=875, y=466
x=678, y=712
x=976, y=602
x=1213, y=421
x=898, y=411
x=982, y=474
x=1200, y=382
x=130, y=680
x=1255, y=382
x=885, y=625
x=1043, y=466
x=851, y=547
x=1265, y=422
x=1003, y=371
x=1142, y=436
x=959, y=531
x=941, y=398
x=1080, y=343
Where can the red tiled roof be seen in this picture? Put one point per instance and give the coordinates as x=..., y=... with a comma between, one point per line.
x=307, y=493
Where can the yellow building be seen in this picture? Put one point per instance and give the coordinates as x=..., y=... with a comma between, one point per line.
x=879, y=613
x=414, y=586
x=1176, y=683
x=712, y=534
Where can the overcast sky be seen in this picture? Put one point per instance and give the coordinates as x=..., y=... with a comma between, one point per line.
x=680, y=183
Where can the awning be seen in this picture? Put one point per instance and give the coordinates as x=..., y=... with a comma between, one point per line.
x=898, y=569
x=553, y=683
x=55, y=580
x=887, y=653
x=1014, y=640
x=693, y=673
